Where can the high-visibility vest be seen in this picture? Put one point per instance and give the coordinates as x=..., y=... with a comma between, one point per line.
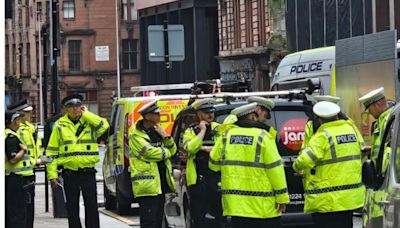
x=252, y=175
x=143, y=158
x=192, y=144
x=23, y=167
x=26, y=132
x=334, y=156
x=73, y=151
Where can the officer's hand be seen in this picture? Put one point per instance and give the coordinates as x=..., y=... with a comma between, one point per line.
x=84, y=108
x=22, y=146
x=280, y=207
x=54, y=182
x=160, y=130
x=206, y=149
x=203, y=125
x=40, y=162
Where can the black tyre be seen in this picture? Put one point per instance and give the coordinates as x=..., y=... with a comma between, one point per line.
x=109, y=200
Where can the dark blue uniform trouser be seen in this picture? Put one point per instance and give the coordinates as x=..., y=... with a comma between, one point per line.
x=151, y=210
x=242, y=222
x=342, y=219
x=74, y=182
x=15, y=201
x=30, y=202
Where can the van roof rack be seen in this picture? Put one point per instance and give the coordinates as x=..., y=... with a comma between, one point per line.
x=309, y=85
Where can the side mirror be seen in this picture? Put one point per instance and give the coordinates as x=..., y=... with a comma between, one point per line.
x=369, y=174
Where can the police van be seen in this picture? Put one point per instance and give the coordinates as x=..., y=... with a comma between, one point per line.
x=313, y=63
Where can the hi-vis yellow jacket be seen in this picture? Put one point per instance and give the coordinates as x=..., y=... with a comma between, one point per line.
x=143, y=158
x=23, y=167
x=334, y=153
x=252, y=176
x=73, y=152
x=192, y=144
x=26, y=132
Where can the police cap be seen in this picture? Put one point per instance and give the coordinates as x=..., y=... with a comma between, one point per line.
x=326, y=109
x=20, y=106
x=372, y=97
x=244, y=110
x=11, y=116
x=73, y=99
x=205, y=105
x=261, y=101
x=332, y=99
x=150, y=107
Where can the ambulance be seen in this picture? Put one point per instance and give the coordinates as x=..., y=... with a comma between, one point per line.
x=116, y=172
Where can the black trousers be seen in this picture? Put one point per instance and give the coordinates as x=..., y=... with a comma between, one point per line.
x=15, y=201
x=205, y=202
x=83, y=180
x=342, y=219
x=30, y=202
x=242, y=222
x=151, y=211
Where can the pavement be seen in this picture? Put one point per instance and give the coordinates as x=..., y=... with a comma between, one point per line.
x=45, y=219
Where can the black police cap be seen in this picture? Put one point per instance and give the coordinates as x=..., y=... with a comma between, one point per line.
x=11, y=116
x=72, y=100
x=21, y=105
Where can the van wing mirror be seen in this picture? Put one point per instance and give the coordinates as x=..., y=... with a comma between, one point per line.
x=369, y=177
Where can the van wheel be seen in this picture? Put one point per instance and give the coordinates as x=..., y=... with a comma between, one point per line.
x=109, y=200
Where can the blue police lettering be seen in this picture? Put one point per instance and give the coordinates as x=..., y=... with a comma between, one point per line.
x=304, y=68
x=241, y=139
x=349, y=138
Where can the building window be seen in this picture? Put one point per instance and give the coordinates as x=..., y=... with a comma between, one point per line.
x=124, y=10
x=133, y=10
x=129, y=54
x=74, y=50
x=69, y=9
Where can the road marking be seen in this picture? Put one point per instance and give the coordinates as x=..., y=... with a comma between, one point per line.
x=120, y=218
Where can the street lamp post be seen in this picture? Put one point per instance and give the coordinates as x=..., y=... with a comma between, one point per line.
x=117, y=43
x=38, y=25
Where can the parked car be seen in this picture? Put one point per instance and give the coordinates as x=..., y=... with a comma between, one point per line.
x=289, y=118
x=383, y=188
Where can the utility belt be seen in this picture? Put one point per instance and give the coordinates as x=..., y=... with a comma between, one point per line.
x=80, y=171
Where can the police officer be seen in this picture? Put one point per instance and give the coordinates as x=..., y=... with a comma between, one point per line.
x=263, y=110
x=314, y=123
x=17, y=168
x=333, y=157
x=253, y=182
x=28, y=135
x=198, y=140
x=376, y=104
x=73, y=148
x=151, y=170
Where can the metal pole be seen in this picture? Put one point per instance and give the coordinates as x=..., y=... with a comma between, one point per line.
x=195, y=42
x=391, y=14
x=117, y=43
x=40, y=68
x=373, y=16
x=53, y=52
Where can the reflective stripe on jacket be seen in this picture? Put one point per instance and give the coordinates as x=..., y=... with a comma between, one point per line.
x=192, y=144
x=335, y=154
x=22, y=167
x=252, y=175
x=143, y=158
x=73, y=152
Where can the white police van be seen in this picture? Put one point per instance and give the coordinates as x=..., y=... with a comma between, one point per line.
x=313, y=63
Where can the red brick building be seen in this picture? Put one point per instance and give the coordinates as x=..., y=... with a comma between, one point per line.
x=252, y=39
x=87, y=59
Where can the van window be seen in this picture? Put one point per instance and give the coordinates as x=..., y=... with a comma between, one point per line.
x=119, y=116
